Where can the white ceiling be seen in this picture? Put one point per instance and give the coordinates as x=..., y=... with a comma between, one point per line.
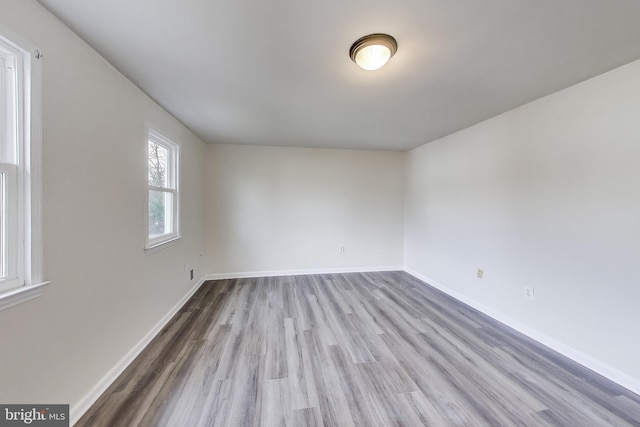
x=278, y=72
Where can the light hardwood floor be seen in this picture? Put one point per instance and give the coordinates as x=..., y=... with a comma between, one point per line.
x=362, y=349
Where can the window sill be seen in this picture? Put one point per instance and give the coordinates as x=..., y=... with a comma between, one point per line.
x=159, y=246
x=19, y=295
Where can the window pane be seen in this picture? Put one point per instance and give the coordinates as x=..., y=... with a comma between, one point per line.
x=3, y=109
x=3, y=216
x=160, y=213
x=158, y=165
x=8, y=99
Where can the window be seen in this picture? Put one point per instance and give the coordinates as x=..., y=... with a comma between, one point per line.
x=162, y=197
x=11, y=122
x=20, y=188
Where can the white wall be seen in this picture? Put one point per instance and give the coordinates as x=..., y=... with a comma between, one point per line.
x=279, y=209
x=547, y=195
x=106, y=294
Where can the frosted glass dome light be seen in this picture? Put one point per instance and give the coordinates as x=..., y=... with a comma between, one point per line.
x=373, y=51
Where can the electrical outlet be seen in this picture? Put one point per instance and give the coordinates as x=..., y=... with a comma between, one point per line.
x=341, y=249
x=480, y=273
x=528, y=292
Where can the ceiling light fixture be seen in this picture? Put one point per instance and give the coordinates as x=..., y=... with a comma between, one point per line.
x=373, y=51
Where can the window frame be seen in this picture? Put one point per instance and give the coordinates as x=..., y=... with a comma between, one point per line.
x=11, y=269
x=172, y=187
x=11, y=141
x=21, y=164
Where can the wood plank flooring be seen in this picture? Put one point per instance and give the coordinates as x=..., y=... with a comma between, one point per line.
x=362, y=349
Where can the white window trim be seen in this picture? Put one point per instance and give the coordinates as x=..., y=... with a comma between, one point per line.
x=154, y=244
x=9, y=228
x=30, y=178
x=22, y=294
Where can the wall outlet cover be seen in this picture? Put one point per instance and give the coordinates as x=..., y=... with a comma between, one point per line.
x=528, y=292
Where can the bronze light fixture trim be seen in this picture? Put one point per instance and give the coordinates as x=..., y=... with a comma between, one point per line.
x=373, y=51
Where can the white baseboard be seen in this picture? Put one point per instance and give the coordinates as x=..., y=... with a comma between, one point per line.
x=83, y=405
x=249, y=274
x=585, y=360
